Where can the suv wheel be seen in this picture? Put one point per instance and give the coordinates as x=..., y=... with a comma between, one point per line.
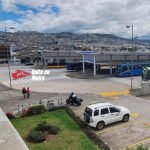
x=100, y=125
x=125, y=118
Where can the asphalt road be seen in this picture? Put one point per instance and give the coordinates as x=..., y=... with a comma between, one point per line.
x=57, y=81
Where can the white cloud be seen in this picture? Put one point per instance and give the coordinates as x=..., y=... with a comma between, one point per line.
x=8, y=5
x=102, y=16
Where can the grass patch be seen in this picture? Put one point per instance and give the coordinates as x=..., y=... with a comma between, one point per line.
x=70, y=136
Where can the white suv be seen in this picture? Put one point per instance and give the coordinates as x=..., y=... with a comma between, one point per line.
x=100, y=114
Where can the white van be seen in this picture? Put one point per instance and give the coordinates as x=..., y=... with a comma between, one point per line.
x=100, y=114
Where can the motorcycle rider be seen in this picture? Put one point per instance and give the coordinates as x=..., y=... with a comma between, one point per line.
x=72, y=97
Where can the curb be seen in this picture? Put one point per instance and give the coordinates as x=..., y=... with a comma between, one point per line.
x=16, y=134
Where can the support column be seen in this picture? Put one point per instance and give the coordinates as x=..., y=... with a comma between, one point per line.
x=83, y=63
x=110, y=69
x=111, y=65
x=98, y=67
x=149, y=57
x=94, y=66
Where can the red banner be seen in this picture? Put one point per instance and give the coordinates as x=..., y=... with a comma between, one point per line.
x=19, y=74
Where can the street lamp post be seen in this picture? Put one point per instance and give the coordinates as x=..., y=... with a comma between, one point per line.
x=131, y=57
x=8, y=55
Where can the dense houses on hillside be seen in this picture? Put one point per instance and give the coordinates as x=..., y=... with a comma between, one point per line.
x=67, y=41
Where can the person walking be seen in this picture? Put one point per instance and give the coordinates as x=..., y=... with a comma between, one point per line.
x=28, y=92
x=24, y=92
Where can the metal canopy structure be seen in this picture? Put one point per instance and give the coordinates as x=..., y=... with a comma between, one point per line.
x=111, y=58
x=88, y=56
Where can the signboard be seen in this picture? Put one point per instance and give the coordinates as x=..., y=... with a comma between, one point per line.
x=19, y=74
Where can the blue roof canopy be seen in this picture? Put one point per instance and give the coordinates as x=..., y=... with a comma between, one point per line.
x=88, y=55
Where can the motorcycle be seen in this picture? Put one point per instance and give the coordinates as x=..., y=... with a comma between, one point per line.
x=74, y=100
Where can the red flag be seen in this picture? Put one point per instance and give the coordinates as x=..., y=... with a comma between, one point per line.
x=19, y=74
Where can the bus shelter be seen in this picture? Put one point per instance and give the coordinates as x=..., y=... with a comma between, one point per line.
x=90, y=57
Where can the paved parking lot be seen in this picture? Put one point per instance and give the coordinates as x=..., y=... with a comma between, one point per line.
x=121, y=135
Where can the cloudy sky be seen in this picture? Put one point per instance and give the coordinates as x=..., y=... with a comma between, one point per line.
x=79, y=16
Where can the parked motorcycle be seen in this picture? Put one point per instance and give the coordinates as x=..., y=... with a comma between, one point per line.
x=72, y=99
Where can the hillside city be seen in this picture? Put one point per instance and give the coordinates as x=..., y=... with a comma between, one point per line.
x=29, y=40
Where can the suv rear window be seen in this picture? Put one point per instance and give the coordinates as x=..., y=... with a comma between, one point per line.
x=104, y=111
x=88, y=111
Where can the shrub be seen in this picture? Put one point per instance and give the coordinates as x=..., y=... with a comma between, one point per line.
x=56, y=108
x=44, y=126
x=41, y=126
x=140, y=147
x=37, y=109
x=33, y=110
x=36, y=136
x=39, y=133
x=25, y=112
x=10, y=115
x=52, y=129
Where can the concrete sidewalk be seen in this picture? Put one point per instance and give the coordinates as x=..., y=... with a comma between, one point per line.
x=9, y=137
x=11, y=99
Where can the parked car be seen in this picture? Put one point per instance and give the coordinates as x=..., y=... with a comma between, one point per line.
x=100, y=114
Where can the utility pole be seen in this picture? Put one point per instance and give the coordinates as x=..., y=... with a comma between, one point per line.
x=8, y=54
x=8, y=58
x=131, y=57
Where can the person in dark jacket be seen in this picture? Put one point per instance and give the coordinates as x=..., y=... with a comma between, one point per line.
x=28, y=92
x=24, y=92
x=72, y=97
